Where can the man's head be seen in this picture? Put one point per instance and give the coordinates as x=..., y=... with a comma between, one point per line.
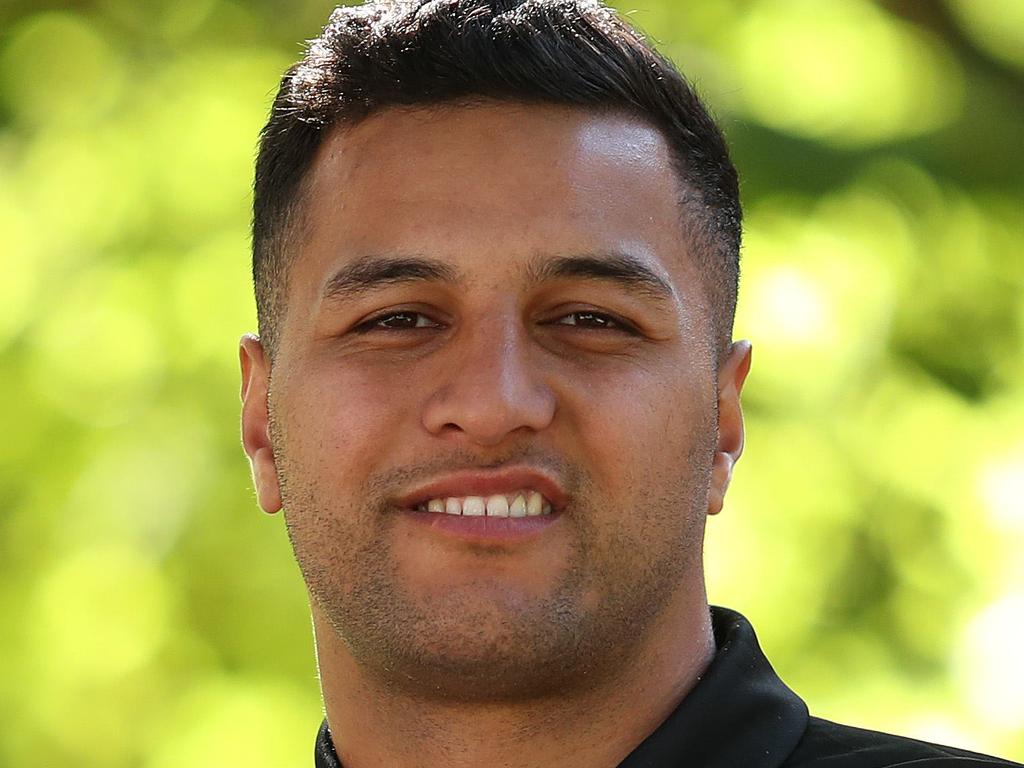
x=478, y=292
x=417, y=53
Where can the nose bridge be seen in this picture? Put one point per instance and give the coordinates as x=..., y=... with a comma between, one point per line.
x=492, y=387
x=495, y=351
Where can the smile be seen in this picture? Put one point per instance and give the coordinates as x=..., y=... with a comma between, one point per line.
x=522, y=503
x=491, y=501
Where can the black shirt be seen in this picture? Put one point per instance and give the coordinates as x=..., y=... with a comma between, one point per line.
x=741, y=715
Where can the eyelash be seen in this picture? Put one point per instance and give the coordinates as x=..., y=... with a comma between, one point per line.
x=605, y=322
x=373, y=323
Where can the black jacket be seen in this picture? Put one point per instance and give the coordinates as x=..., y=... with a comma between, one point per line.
x=741, y=715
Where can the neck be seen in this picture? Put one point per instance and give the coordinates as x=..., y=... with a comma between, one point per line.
x=376, y=725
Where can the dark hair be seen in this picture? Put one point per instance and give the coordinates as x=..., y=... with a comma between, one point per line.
x=427, y=52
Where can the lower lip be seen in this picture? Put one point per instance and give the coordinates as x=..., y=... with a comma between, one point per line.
x=482, y=528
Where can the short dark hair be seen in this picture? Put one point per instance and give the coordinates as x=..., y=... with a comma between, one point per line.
x=394, y=53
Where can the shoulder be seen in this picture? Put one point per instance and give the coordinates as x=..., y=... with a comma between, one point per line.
x=831, y=745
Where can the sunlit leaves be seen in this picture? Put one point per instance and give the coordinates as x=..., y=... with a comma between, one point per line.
x=876, y=524
x=996, y=25
x=844, y=72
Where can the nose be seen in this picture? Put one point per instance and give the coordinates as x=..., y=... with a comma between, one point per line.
x=490, y=388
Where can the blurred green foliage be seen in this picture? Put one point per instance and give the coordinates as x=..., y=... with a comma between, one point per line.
x=153, y=617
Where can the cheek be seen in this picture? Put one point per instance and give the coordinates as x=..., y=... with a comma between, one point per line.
x=344, y=417
x=647, y=445
x=641, y=416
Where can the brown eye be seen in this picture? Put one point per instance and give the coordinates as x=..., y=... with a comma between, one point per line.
x=595, y=320
x=396, y=321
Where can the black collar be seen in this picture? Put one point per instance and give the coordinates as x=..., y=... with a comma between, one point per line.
x=739, y=713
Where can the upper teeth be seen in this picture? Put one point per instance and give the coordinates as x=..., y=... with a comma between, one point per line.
x=518, y=504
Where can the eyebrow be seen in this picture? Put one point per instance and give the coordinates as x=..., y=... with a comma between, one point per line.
x=623, y=269
x=374, y=272
x=371, y=273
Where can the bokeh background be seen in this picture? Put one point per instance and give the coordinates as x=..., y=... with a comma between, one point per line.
x=151, y=616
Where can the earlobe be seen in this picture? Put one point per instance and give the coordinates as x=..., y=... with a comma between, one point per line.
x=731, y=376
x=721, y=475
x=256, y=422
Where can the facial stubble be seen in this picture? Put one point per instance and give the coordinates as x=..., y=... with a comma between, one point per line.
x=484, y=643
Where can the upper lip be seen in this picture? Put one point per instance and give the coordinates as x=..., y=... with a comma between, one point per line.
x=480, y=482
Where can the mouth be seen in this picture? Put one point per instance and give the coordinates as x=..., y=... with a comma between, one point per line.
x=521, y=503
x=505, y=504
x=508, y=492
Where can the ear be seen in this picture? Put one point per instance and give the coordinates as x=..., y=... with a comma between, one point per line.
x=256, y=422
x=731, y=375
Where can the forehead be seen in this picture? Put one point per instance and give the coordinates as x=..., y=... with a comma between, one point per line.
x=495, y=184
x=491, y=133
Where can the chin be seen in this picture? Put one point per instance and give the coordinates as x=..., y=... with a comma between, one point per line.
x=496, y=668
x=483, y=648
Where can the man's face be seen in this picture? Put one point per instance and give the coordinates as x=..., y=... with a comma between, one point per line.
x=491, y=301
